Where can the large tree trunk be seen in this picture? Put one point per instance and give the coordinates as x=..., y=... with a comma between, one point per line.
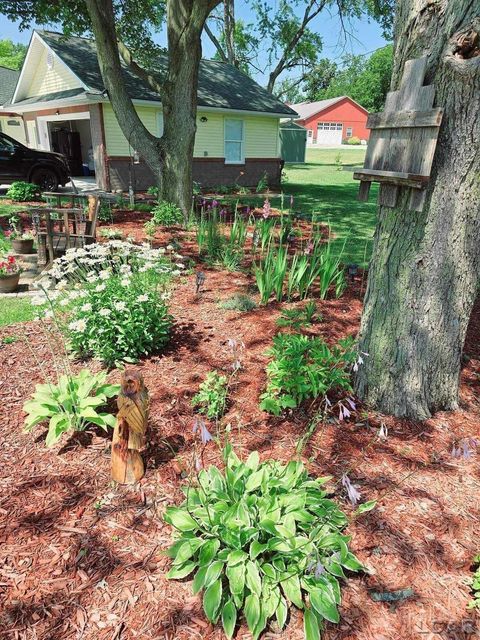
x=170, y=157
x=185, y=20
x=424, y=274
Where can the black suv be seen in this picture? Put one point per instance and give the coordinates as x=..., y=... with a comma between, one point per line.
x=46, y=169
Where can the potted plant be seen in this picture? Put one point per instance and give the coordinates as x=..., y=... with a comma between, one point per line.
x=21, y=242
x=9, y=274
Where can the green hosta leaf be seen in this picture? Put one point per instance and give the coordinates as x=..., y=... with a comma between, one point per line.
x=208, y=551
x=269, y=571
x=254, y=481
x=291, y=589
x=253, y=580
x=236, y=578
x=256, y=549
x=322, y=602
x=110, y=420
x=310, y=625
x=213, y=571
x=269, y=526
x=281, y=613
x=211, y=600
x=252, y=611
x=236, y=557
x=253, y=461
x=180, y=519
x=229, y=618
x=352, y=563
x=58, y=425
x=187, y=550
x=366, y=506
x=176, y=573
x=199, y=579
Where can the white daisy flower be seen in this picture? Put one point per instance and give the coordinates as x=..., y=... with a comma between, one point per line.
x=120, y=305
x=104, y=274
x=142, y=298
x=86, y=307
x=100, y=287
x=105, y=312
x=125, y=282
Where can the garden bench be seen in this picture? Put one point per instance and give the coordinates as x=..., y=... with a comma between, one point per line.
x=59, y=229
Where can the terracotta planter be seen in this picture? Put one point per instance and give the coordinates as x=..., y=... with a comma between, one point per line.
x=10, y=283
x=22, y=246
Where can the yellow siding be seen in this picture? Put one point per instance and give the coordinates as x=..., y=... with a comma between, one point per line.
x=47, y=80
x=260, y=133
x=261, y=137
x=116, y=142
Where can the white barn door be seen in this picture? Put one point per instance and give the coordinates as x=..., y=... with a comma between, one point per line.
x=329, y=133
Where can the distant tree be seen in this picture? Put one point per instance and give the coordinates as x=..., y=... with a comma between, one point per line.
x=365, y=80
x=12, y=54
x=319, y=79
x=288, y=90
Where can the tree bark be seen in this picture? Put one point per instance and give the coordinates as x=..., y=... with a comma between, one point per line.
x=425, y=269
x=185, y=20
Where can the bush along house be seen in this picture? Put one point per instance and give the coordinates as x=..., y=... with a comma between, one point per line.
x=333, y=121
x=65, y=107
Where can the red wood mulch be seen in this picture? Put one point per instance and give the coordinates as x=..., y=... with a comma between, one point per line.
x=80, y=558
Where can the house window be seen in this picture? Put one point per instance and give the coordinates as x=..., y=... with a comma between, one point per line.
x=310, y=133
x=159, y=124
x=349, y=133
x=234, y=153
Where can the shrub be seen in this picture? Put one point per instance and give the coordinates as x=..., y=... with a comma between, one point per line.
x=239, y=302
x=105, y=213
x=23, y=191
x=167, y=214
x=154, y=191
x=212, y=395
x=259, y=537
x=303, y=368
x=70, y=405
x=353, y=140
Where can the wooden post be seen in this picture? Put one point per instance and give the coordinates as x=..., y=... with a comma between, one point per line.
x=129, y=432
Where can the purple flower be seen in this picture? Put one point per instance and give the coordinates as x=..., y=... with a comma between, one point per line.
x=319, y=570
x=352, y=492
x=343, y=412
x=308, y=248
x=214, y=204
x=267, y=209
x=465, y=448
x=200, y=427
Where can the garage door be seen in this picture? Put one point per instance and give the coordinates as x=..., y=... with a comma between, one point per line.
x=329, y=133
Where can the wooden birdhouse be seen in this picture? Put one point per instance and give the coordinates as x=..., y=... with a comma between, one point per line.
x=402, y=141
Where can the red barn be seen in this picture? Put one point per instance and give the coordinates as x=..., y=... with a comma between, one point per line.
x=329, y=122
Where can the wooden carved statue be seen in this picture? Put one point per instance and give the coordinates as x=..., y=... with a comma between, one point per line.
x=129, y=432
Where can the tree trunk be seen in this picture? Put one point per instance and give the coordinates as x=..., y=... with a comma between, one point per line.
x=424, y=274
x=103, y=26
x=229, y=22
x=170, y=157
x=185, y=20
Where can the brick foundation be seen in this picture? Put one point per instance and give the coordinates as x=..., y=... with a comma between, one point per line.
x=209, y=172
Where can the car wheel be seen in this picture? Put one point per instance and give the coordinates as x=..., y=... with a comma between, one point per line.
x=46, y=179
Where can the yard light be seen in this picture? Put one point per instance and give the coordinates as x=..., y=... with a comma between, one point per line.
x=199, y=280
x=352, y=271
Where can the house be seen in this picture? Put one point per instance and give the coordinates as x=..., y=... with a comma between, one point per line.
x=10, y=123
x=333, y=121
x=61, y=95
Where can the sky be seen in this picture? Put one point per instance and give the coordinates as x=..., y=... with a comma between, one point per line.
x=365, y=36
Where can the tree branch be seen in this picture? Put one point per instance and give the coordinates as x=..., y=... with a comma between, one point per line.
x=216, y=42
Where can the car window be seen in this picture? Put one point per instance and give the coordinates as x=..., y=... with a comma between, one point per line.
x=7, y=145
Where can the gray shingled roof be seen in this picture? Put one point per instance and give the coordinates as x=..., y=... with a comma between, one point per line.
x=220, y=85
x=8, y=82
x=307, y=109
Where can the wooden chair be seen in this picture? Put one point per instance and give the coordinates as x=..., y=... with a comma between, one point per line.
x=60, y=229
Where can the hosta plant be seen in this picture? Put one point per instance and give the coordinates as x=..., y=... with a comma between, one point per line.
x=70, y=405
x=475, y=585
x=260, y=538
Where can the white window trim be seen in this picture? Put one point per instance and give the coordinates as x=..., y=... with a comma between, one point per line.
x=242, y=142
x=349, y=132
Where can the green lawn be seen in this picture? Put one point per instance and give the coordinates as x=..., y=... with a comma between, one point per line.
x=319, y=187
x=15, y=310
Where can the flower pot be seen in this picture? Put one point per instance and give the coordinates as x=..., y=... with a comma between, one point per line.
x=22, y=246
x=9, y=284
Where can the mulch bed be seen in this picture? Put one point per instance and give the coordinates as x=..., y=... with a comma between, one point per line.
x=81, y=558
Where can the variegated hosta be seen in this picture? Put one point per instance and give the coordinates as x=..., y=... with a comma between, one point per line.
x=261, y=537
